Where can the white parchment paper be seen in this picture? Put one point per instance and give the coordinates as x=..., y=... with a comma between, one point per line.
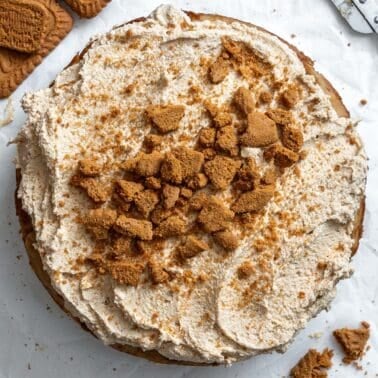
x=37, y=340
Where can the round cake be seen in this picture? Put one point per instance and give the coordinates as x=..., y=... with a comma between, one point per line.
x=190, y=189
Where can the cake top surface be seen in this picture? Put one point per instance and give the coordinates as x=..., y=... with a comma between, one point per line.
x=191, y=187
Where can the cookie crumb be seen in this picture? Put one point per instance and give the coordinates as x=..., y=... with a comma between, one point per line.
x=126, y=272
x=192, y=247
x=191, y=161
x=166, y=118
x=290, y=97
x=353, y=341
x=283, y=157
x=261, y=131
x=219, y=70
x=363, y=102
x=99, y=221
x=254, y=200
x=171, y=170
x=265, y=97
x=245, y=270
x=131, y=227
x=214, y=216
x=90, y=168
x=280, y=117
x=292, y=138
x=128, y=190
x=146, y=201
x=170, y=195
x=148, y=164
x=157, y=273
x=227, y=140
x=312, y=364
x=226, y=239
x=221, y=171
x=172, y=226
x=243, y=100
x=96, y=190
x=207, y=137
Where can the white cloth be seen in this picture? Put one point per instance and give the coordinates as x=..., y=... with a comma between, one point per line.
x=33, y=330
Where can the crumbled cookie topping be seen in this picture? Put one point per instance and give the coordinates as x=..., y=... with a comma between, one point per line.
x=163, y=193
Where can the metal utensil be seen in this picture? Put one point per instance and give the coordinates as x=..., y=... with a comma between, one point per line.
x=361, y=15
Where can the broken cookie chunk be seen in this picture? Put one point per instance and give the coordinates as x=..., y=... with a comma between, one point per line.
x=254, y=200
x=96, y=190
x=261, y=131
x=206, y=137
x=312, y=364
x=283, y=157
x=170, y=196
x=192, y=247
x=244, y=101
x=191, y=161
x=219, y=70
x=146, y=201
x=133, y=228
x=353, y=341
x=292, y=138
x=214, y=216
x=227, y=140
x=166, y=118
x=126, y=272
x=289, y=97
x=148, y=164
x=226, y=239
x=90, y=168
x=157, y=273
x=171, y=169
x=99, y=221
x=128, y=190
x=172, y=226
x=221, y=171
x=280, y=117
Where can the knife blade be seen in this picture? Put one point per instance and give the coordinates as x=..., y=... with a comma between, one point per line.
x=361, y=15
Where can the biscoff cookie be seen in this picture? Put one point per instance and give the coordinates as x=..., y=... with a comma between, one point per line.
x=16, y=66
x=87, y=8
x=22, y=25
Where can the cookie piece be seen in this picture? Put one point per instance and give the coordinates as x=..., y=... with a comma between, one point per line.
x=16, y=66
x=87, y=8
x=21, y=25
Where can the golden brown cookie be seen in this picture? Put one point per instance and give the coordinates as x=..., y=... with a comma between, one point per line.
x=87, y=8
x=21, y=25
x=16, y=66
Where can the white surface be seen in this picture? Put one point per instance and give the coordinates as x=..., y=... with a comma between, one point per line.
x=38, y=340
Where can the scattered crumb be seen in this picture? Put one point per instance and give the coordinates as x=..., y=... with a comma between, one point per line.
x=353, y=341
x=312, y=364
x=363, y=102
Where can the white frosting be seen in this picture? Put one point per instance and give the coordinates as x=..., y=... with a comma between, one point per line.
x=206, y=324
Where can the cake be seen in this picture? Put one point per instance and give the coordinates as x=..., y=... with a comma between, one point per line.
x=190, y=189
